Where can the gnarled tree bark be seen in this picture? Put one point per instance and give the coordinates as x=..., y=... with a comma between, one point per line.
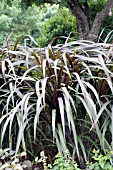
x=82, y=18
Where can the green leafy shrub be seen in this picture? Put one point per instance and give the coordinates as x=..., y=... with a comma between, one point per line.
x=65, y=163
x=17, y=21
x=9, y=160
x=61, y=24
x=103, y=162
x=60, y=162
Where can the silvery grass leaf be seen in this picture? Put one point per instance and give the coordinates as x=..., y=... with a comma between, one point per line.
x=61, y=106
x=108, y=36
x=53, y=122
x=32, y=39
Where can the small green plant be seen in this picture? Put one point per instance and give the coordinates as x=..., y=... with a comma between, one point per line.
x=63, y=163
x=103, y=162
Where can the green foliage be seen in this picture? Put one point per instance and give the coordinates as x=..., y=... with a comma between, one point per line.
x=63, y=163
x=60, y=162
x=47, y=22
x=61, y=24
x=101, y=161
x=9, y=160
x=23, y=21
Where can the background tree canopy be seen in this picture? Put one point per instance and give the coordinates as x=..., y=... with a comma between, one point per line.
x=47, y=22
x=50, y=20
x=81, y=10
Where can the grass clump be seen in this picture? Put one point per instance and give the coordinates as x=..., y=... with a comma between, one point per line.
x=57, y=98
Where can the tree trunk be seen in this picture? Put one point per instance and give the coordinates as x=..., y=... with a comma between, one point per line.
x=82, y=18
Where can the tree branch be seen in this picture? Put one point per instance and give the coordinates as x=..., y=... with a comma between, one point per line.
x=86, y=9
x=100, y=17
x=81, y=17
